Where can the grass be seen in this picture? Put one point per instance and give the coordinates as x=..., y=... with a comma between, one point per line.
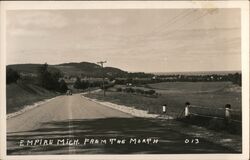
x=214, y=124
x=190, y=86
x=19, y=95
x=176, y=100
x=212, y=97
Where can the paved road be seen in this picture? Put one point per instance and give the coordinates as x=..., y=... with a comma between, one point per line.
x=60, y=109
x=77, y=119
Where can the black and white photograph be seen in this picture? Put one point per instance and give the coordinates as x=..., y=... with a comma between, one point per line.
x=137, y=81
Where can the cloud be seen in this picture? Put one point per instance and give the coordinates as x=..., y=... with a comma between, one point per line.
x=101, y=20
x=26, y=32
x=126, y=37
x=36, y=19
x=33, y=23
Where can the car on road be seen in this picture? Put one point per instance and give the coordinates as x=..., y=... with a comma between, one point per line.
x=69, y=92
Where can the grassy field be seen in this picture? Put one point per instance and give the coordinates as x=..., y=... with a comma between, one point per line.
x=176, y=94
x=19, y=95
x=190, y=86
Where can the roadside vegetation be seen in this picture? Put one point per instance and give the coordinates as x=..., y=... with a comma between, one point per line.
x=12, y=76
x=22, y=94
x=152, y=97
x=235, y=78
x=26, y=89
x=86, y=84
x=51, y=80
x=175, y=98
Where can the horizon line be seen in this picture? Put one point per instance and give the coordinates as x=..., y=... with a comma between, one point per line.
x=156, y=72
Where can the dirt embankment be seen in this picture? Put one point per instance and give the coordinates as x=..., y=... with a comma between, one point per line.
x=20, y=95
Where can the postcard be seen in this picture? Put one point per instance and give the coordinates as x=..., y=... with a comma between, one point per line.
x=125, y=80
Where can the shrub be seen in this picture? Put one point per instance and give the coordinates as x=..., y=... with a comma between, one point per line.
x=150, y=92
x=63, y=86
x=49, y=79
x=11, y=76
x=129, y=90
x=139, y=91
x=118, y=89
x=78, y=83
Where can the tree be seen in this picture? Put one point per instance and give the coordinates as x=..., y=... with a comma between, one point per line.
x=49, y=79
x=12, y=76
x=236, y=78
x=78, y=83
x=63, y=86
x=84, y=84
x=43, y=75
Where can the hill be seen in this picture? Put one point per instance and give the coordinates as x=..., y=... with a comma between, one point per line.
x=89, y=69
x=73, y=69
x=29, y=68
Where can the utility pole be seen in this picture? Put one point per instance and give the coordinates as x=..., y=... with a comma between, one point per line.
x=101, y=63
x=89, y=85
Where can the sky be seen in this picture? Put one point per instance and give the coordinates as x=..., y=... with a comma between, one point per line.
x=146, y=40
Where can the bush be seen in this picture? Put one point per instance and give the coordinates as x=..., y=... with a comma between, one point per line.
x=150, y=92
x=77, y=83
x=63, y=86
x=118, y=89
x=129, y=90
x=49, y=79
x=96, y=84
x=139, y=91
x=107, y=85
x=235, y=78
x=82, y=84
x=11, y=76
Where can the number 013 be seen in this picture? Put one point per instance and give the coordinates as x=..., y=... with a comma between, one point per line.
x=194, y=141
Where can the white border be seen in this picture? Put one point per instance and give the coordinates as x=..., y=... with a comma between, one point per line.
x=55, y=5
x=2, y=83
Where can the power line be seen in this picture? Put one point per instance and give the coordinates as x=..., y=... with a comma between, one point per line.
x=175, y=20
x=172, y=21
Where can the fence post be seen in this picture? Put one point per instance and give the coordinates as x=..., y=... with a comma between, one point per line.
x=164, y=108
x=228, y=113
x=187, y=109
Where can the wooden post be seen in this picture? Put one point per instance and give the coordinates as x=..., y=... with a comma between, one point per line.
x=101, y=63
x=228, y=113
x=187, y=109
x=88, y=85
x=164, y=108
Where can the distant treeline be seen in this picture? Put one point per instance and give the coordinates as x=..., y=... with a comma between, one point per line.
x=136, y=90
x=234, y=78
x=85, y=84
x=54, y=79
x=82, y=84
